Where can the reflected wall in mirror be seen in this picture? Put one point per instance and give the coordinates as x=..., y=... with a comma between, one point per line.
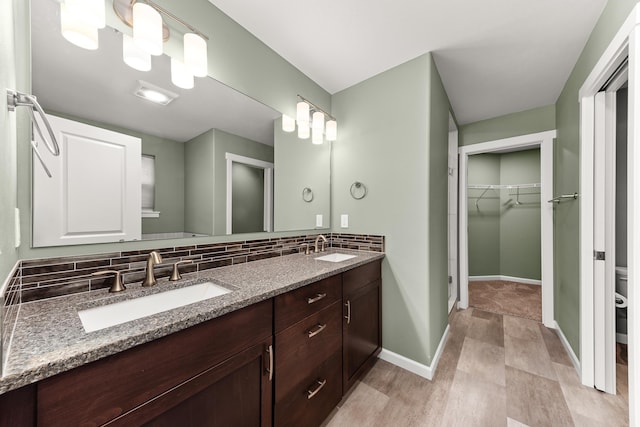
x=188, y=138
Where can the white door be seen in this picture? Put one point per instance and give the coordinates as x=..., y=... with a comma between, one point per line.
x=604, y=242
x=453, y=214
x=94, y=193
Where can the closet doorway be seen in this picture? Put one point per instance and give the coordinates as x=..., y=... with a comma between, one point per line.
x=510, y=195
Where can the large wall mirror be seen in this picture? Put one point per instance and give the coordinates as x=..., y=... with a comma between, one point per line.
x=208, y=143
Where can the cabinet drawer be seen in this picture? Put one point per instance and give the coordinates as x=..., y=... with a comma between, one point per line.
x=300, y=408
x=296, y=305
x=360, y=276
x=302, y=347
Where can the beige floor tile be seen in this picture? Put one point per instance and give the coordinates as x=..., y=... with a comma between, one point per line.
x=474, y=402
x=529, y=355
x=362, y=408
x=535, y=400
x=622, y=381
x=522, y=328
x=381, y=376
x=587, y=402
x=556, y=350
x=487, y=330
x=513, y=423
x=482, y=360
x=487, y=315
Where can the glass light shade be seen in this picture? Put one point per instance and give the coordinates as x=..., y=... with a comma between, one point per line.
x=76, y=31
x=304, y=131
x=180, y=75
x=318, y=121
x=147, y=28
x=302, y=114
x=316, y=136
x=133, y=56
x=332, y=130
x=91, y=12
x=288, y=124
x=195, y=54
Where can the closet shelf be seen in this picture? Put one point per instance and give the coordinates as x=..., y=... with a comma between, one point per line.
x=513, y=189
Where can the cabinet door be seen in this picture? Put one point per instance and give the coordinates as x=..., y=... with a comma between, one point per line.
x=362, y=337
x=237, y=392
x=93, y=195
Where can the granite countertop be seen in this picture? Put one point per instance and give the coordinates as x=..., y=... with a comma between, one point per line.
x=49, y=337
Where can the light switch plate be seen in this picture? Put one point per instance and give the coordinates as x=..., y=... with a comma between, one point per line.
x=319, y=220
x=344, y=221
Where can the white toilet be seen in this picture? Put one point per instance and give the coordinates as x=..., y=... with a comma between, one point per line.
x=621, y=305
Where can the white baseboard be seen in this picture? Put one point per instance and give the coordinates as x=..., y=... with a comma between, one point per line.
x=411, y=365
x=567, y=346
x=507, y=278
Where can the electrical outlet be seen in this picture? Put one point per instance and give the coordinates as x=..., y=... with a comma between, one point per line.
x=344, y=221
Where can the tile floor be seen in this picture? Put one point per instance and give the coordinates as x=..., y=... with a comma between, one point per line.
x=507, y=297
x=496, y=370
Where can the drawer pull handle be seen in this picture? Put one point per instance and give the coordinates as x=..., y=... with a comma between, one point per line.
x=313, y=332
x=316, y=298
x=348, y=316
x=319, y=384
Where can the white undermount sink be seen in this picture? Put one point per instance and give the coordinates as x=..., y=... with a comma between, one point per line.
x=335, y=257
x=94, y=319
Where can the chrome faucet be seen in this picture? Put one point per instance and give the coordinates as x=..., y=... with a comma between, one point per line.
x=324, y=240
x=153, y=259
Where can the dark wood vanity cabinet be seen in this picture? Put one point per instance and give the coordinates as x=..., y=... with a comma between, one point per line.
x=287, y=361
x=362, y=325
x=308, y=352
x=214, y=374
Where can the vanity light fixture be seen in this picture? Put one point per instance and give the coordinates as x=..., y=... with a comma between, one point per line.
x=181, y=76
x=195, y=54
x=76, y=30
x=133, y=56
x=147, y=28
x=153, y=93
x=288, y=123
x=311, y=122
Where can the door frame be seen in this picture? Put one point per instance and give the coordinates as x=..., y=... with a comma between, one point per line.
x=544, y=140
x=452, y=211
x=626, y=43
x=268, y=188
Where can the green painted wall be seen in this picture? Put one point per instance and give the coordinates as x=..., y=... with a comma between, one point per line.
x=300, y=164
x=236, y=58
x=248, y=199
x=198, y=191
x=385, y=141
x=521, y=123
x=520, y=243
x=483, y=218
x=567, y=170
x=12, y=76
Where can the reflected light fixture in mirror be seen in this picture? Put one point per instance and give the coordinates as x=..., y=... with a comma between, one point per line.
x=133, y=56
x=77, y=31
x=331, y=130
x=153, y=93
x=195, y=54
x=147, y=28
x=181, y=76
x=288, y=123
x=304, y=131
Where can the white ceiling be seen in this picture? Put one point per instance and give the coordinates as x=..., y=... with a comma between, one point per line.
x=495, y=56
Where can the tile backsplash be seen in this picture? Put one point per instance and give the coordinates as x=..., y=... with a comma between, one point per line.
x=38, y=279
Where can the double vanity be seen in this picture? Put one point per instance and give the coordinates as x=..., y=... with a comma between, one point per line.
x=276, y=341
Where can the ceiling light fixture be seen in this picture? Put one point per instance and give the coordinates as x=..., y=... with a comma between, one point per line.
x=153, y=93
x=311, y=122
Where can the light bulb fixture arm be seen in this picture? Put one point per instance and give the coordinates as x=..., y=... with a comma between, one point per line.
x=315, y=107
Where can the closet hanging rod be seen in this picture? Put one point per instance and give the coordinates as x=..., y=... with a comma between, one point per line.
x=502, y=186
x=562, y=197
